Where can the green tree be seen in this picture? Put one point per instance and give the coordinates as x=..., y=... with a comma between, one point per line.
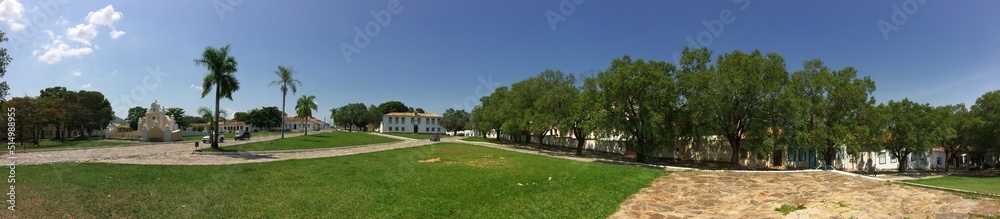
x=206, y=114
x=552, y=107
x=738, y=98
x=491, y=116
x=986, y=113
x=908, y=130
x=640, y=101
x=266, y=117
x=393, y=106
x=57, y=96
x=97, y=112
x=477, y=121
x=221, y=74
x=4, y=61
x=304, y=108
x=26, y=114
x=374, y=116
x=134, y=114
x=175, y=113
x=351, y=115
x=454, y=120
x=419, y=110
x=583, y=113
x=286, y=81
x=826, y=108
x=952, y=130
x=241, y=116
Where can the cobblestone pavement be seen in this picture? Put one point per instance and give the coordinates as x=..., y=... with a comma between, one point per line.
x=824, y=194
x=181, y=153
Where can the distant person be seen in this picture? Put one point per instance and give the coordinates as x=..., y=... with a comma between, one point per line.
x=874, y=171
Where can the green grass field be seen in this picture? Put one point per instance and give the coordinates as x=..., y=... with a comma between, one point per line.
x=312, y=141
x=990, y=185
x=416, y=136
x=50, y=144
x=468, y=182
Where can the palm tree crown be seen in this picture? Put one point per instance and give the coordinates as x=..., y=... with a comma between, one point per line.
x=285, y=82
x=221, y=69
x=304, y=108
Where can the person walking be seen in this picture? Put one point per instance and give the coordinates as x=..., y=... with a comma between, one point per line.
x=874, y=171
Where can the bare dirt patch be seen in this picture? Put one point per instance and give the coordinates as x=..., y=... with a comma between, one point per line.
x=432, y=160
x=824, y=194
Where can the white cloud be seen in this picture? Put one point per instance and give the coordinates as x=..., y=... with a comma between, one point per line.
x=77, y=73
x=51, y=34
x=62, y=21
x=58, y=49
x=34, y=52
x=114, y=72
x=82, y=33
x=106, y=16
x=196, y=87
x=10, y=12
x=116, y=33
x=85, y=86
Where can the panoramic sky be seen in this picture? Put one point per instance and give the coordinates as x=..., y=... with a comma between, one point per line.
x=446, y=54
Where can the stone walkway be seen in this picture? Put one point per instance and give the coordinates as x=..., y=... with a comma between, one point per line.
x=824, y=194
x=181, y=153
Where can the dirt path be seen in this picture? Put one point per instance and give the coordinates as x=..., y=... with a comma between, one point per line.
x=824, y=194
x=181, y=153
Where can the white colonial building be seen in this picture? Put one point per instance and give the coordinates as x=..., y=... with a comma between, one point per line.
x=403, y=122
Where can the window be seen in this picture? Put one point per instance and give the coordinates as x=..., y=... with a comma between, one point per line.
x=427, y=129
x=893, y=160
x=881, y=158
x=840, y=154
x=939, y=160
x=791, y=155
x=802, y=154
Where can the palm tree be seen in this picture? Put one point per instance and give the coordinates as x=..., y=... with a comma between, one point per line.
x=285, y=82
x=205, y=113
x=304, y=108
x=221, y=69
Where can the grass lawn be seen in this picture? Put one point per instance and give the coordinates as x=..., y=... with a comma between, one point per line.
x=416, y=136
x=50, y=144
x=468, y=182
x=968, y=183
x=312, y=141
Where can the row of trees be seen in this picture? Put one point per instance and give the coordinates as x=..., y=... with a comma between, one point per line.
x=80, y=111
x=358, y=115
x=749, y=99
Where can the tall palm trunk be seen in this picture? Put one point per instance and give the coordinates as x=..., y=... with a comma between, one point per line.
x=215, y=124
x=283, y=93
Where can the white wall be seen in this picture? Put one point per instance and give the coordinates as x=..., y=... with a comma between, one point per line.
x=426, y=125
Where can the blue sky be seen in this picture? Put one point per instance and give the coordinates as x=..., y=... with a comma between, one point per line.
x=445, y=54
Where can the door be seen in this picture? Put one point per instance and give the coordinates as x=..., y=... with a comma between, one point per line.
x=415, y=129
x=812, y=159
